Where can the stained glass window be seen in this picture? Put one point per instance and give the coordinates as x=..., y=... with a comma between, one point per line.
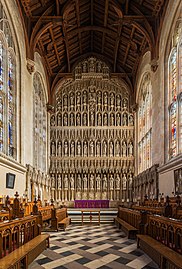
x=1, y=123
x=7, y=88
x=1, y=66
x=180, y=96
x=40, y=124
x=175, y=91
x=11, y=82
x=145, y=124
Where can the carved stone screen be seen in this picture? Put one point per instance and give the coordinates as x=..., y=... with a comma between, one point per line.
x=92, y=137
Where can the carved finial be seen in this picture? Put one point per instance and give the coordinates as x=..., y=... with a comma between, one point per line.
x=154, y=65
x=16, y=194
x=30, y=66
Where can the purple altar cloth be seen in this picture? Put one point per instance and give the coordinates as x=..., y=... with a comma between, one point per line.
x=91, y=203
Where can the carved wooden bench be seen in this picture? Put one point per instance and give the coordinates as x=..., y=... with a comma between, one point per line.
x=24, y=255
x=127, y=228
x=64, y=223
x=161, y=254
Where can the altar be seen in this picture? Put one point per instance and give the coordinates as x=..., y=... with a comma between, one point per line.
x=91, y=203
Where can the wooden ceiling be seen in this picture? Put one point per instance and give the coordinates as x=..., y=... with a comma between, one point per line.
x=118, y=32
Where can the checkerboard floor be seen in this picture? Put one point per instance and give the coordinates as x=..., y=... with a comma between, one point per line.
x=81, y=247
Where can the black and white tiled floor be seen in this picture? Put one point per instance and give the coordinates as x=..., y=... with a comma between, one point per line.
x=81, y=247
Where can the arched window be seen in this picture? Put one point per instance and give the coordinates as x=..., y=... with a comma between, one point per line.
x=175, y=93
x=145, y=124
x=40, y=124
x=7, y=88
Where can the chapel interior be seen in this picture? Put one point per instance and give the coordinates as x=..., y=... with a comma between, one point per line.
x=91, y=133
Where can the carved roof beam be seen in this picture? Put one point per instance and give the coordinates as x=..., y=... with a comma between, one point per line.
x=105, y=22
x=127, y=6
x=55, y=46
x=66, y=46
x=157, y=7
x=57, y=8
x=77, y=3
x=41, y=47
x=26, y=7
x=117, y=46
x=35, y=6
x=47, y=18
x=129, y=44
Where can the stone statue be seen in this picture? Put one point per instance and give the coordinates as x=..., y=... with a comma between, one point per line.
x=124, y=181
x=118, y=100
x=78, y=99
x=112, y=100
x=85, y=67
x=98, y=181
x=85, y=182
x=131, y=120
x=85, y=149
x=104, y=182
x=72, y=181
x=104, y=149
x=71, y=99
x=53, y=148
x=65, y=148
x=72, y=120
x=98, y=149
x=66, y=181
x=99, y=119
x=117, y=150
x=105, y=119
x=105, y=99
x=52, y=121
x=124, y=149
x=53, y=181
x=130, y=149
x=99, y=98
x=79, y=182
x=111, y=147
x=59, y=119
x=59, y=182
x=59, y=150
x=125, y=103
x=78, y=119
x=125, y=120
x=79, y=149
x=92, y=148
x=85, y=119
x=111, y=182
x=65, y=119
x=91, y=119
x=118, y=119
x=112, y=119
x=65, y=100
x=118, y=182
x=91, y=181
x=72, y=149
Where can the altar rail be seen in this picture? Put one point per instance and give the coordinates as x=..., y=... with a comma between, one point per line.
x=91, y=203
